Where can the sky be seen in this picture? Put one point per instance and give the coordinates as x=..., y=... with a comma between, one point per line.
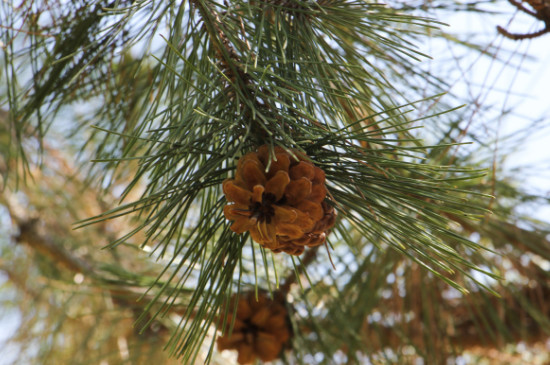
x=518, y=84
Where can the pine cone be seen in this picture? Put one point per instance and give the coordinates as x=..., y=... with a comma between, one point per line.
x=261, y=329
x=279, y=201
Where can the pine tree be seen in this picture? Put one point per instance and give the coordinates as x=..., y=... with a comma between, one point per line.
x=218, y=182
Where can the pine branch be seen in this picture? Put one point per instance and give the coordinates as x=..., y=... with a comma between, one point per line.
x=541, y=12
x=28, y=233
x=519, y=37
x=460, y=323
x=231, y=69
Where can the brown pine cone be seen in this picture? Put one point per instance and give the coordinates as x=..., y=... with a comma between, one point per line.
x=261, y=329
x=279, y=201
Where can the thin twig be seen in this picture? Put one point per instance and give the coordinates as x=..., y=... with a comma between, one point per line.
x=520, y=7
x=309, y=257
x=517, y=37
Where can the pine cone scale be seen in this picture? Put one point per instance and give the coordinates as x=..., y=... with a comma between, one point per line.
x=285, y=215
x=235, y=193
x=298, y=190
x=277, y=184
x=289, y=230
x=252, y=173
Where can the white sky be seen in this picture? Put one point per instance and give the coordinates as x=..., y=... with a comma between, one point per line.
x=523, y=85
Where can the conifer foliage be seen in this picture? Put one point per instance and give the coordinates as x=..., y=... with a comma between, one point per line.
x=256, y=175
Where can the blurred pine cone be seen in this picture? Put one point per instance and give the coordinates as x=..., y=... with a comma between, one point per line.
x=279, y=201
x=261, y=329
